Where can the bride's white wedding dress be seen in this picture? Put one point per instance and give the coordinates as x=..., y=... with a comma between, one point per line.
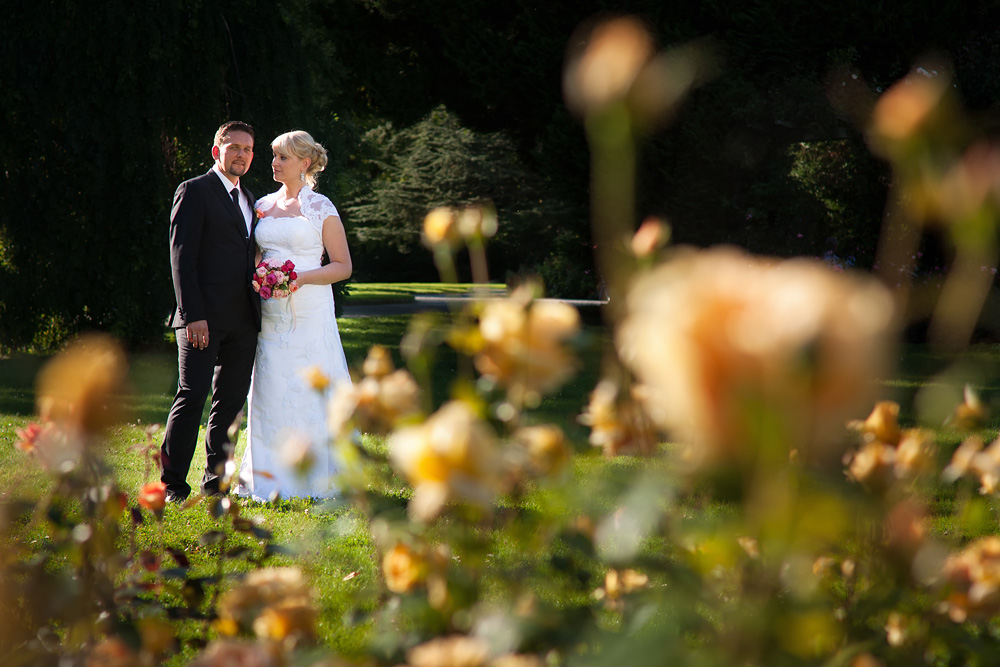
x=297, y=333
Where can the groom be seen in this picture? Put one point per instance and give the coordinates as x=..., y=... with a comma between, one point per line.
x=217, y=315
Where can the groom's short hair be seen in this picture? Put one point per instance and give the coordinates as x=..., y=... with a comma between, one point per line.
x=232, y=126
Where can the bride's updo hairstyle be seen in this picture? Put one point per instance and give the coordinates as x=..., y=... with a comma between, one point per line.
x=302, y=145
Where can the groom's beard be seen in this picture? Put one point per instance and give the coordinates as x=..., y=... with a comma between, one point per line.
x=237, y=170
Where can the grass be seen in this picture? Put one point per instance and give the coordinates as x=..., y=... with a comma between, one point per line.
x=332, y=542
x=381, y=293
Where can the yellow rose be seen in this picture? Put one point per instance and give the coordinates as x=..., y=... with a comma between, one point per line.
x=440, y=227
x=289, y=619
x=914, y=453
x=545, y=446
x=905, y=107
x=622, y=582
x=650, y=237
x=274, y=602
x=617, y=423
x=453, y=651
x=523, y=345
x=723, y=342
x=80, y=388
x=883, y=422
x=605, y=70
x=874, y=466
x=974, y=578
x=245, y=654
x=378, y=363
x=403, y=569
x=315, y=378
x=453, y=455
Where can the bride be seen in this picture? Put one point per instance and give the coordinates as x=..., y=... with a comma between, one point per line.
x=288, y=452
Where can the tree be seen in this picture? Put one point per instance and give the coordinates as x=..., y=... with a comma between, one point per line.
x=107, y=109
x=90, y=158
x=437, y=162
x=722, y=172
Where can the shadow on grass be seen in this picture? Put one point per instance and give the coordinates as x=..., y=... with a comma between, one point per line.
x=924, y=375
x=152, y=382
x=17, y=384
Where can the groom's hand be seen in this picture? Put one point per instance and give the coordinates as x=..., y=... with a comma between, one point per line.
x=197, y=334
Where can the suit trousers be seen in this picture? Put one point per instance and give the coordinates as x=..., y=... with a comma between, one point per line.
x=225, y=367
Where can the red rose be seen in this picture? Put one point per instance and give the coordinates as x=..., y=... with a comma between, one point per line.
x=292, y=275
x=150, y=561
x=153, y=496
x=28, y=437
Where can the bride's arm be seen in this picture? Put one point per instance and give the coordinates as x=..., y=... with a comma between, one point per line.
x=339, y=268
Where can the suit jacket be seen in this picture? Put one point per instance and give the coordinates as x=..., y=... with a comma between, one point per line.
x=211, y=256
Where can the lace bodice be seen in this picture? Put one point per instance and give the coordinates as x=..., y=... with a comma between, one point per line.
x=299, y=237
x=293, y=238
x=315, y=207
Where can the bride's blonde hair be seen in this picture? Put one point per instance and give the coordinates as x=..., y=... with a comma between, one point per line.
x=301, y=144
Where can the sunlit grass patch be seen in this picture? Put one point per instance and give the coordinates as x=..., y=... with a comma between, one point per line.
x=370, y=293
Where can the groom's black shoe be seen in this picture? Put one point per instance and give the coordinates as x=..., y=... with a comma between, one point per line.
x=174, y=498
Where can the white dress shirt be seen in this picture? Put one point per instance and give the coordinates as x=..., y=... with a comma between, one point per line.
x=244, y=203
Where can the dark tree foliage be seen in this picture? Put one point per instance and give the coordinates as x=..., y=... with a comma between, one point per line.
x=437, y=162
x=722, y=171
x=497, y=66
x=725, y=172
x=108, y=106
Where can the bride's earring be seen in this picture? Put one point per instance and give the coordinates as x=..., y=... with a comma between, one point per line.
x=302, y=175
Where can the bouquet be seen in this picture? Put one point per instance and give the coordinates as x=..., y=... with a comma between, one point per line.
x=274, y=279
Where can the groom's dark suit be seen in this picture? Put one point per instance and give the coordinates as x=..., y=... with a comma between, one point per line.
x=211, y=260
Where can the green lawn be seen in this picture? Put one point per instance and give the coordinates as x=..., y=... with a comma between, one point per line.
x=331, y=543
x=377, y=293
x=336, y=546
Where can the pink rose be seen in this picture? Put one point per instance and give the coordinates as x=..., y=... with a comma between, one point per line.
x=261, y=271
x=294, y=287
x=255, y=285
x=272, y=279
x=265, y=292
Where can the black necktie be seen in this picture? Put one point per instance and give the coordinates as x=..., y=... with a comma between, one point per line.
x=236, y=200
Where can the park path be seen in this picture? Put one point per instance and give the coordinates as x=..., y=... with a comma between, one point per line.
x=437, y=302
